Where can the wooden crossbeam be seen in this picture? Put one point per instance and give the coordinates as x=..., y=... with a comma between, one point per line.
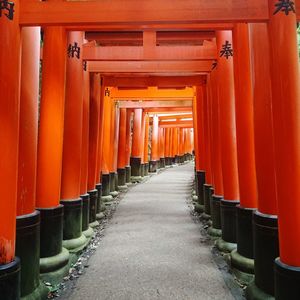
x=152, y=93
x=94, y=53
x=168, y=110
x=34, y=13
x=199, y=67
x=179, y=125
x=162, y=37
x=156, y=105
x=155, y=27
x=158, y=81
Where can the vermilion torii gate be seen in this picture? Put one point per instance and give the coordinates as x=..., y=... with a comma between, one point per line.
x=245, y=118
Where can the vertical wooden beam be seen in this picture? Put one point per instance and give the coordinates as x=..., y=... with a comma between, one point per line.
x=228, y=137
x=286, y=120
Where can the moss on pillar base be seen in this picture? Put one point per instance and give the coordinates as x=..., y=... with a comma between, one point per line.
x=10, y=280
x=107, y=198
x=88, y=233
x=252, y=292
x=213, y=232
x=54, y=258
x=54, y=268
x=198, y=208
x=224, y=246
x=40, y=293
x=266, y=250
x=73, y=239
x=242, y=267
x=28, y=250
x=242, y=259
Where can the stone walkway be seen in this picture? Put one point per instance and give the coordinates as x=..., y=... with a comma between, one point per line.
x=152, y=249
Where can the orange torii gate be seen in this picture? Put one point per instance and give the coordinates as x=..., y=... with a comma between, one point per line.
x=275, y=34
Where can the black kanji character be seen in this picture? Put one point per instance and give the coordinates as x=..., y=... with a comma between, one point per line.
x=7, y=6
x=285, y=6
x=74, y=50
x=226, y=50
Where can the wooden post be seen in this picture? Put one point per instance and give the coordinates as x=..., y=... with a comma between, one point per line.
x=218, y=191
x=284, y=58
x=154, y=145
x=107, y=107
x=93, y=145
x=71, y=163
x=228, y=141
x=245, y=148
x=265, y=231
x=128, y=145
x=86, y=230
x=135, y=160
x=146, y=145
x=28, y=220
x=122, y=149
x=50, y=148
x=9, y=134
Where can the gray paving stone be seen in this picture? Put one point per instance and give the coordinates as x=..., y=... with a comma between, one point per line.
x=152, y=248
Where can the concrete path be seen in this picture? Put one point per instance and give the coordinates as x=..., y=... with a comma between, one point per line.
x=152, y=249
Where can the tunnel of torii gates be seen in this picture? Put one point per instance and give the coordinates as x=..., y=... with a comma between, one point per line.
x=127, y=89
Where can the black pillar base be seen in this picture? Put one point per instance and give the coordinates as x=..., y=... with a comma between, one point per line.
x=99, y=197
x=116, y=181
x=162, y=162
x=105, y=184
x=51, y=231
x=10, y=280
x=168, y=161
x=153, y=166
x=228, y=220
x=244, y=231
x=143, y=170
x=146, y=169
x=287, y=281
x=28, y=250
x=266, y=250
x=128, y=173
x=85, y=211
x=242, y=259
x=72, y=226
x=112, y=181
x=215, y=211
x=207, y=192
x=93, y=208
x=200, y=181
x=54, y=258
x=122, y=177
x=73, y=239
x=177, y=159
x=135, y=163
